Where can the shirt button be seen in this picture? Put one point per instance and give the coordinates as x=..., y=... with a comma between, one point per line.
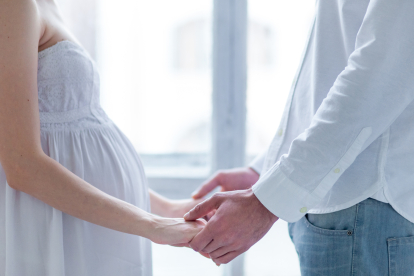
x=337, y=170
x=280, y=132
x=303, y=210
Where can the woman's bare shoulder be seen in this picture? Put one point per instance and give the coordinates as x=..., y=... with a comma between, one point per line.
x=18, y=7
x=20, y=23
x=15, y=15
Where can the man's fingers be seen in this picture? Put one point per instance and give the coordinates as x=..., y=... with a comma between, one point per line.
x=225, y=259
x=212, y=246
x=209, y=215
x=187, y=245
x=206, y=187
x=201, y=240
x=220, y=252
x=203, y=208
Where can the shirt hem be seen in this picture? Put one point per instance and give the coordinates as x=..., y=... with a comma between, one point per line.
x=396, y=208
x=374, y=189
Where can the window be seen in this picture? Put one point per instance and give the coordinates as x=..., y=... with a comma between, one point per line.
x=196, y=86
x=277, y=37
x=154, y=58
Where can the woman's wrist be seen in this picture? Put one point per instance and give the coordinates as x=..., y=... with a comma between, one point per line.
x=157, y=226
x=146, y=226
x=173, y=231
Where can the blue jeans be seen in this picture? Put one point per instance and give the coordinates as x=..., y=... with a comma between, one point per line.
x=370, y=238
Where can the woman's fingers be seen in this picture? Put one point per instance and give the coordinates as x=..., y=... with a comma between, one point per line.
x=181, y=207
x=205, y=255
x=181, y=245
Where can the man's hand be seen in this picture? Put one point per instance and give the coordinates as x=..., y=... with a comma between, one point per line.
x=240, y=221
x=228, y=180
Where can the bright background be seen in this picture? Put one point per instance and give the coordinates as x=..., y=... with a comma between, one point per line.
x=156, y=84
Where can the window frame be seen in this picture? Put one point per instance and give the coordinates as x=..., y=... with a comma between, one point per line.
x=229, y=51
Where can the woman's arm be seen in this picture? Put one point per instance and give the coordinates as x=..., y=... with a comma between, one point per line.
x=26, y=166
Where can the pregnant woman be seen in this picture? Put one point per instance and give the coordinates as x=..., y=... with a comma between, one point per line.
x=73, y=195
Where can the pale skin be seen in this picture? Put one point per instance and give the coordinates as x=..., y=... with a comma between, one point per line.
x=228, y=180
x=27, y=27
x=165, y=207
x=240, y=219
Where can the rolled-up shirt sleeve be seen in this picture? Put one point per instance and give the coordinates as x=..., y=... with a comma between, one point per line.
x=366, y=98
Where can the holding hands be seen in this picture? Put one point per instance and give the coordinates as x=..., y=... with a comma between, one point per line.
x=228, y=180
x=239, y=222
x=236, y=218
x=175, y=231
x=168, y=226
x=240, y=219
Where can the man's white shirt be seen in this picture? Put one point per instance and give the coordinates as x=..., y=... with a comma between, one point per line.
x=347, y=131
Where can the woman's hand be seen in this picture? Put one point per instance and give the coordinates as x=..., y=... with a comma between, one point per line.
x=175, y=231
x=170, y=208
x=228, y=180
x=178, y=208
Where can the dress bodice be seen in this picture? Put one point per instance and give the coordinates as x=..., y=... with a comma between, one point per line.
x=68, y=86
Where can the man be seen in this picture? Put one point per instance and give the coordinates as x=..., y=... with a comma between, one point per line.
x=340, y=168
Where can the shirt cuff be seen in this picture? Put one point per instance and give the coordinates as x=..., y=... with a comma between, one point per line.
x=258, y=162
x=281, y=196
x=290, y=201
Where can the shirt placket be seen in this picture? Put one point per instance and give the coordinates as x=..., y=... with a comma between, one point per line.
x=279, y=138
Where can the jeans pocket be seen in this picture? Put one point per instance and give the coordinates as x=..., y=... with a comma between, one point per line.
x=401, y=256
x=325, y=226
x=322, y=252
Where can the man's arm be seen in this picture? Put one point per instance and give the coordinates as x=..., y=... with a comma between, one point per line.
x=366, y=98
x=372, y=91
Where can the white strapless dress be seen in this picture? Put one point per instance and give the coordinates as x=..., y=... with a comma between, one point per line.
x=38, y=240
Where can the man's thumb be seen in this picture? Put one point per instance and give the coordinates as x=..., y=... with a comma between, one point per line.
x=202, y=209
